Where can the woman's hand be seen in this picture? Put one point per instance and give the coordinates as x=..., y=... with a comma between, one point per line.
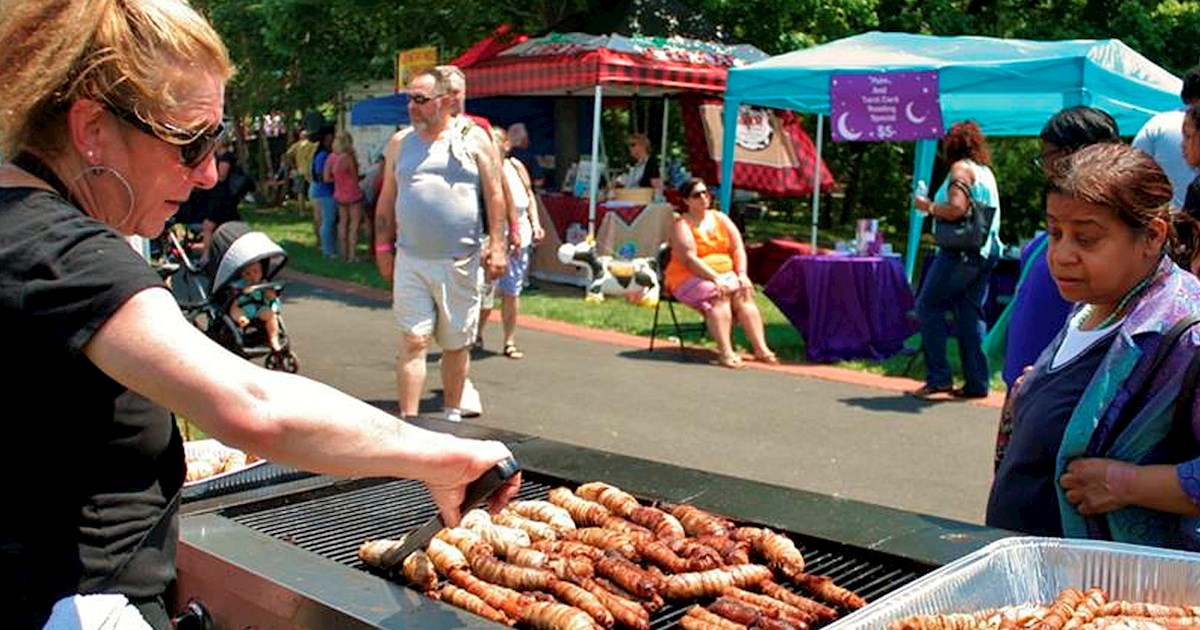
x=1016, y=390
x=924, y=204
x=1098, y=486
x=726, y=285
x=538, y=233
x=744, y=284
x=450, y=491
x=495, y=261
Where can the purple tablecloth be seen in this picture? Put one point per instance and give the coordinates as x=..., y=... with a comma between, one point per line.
x=846, y=307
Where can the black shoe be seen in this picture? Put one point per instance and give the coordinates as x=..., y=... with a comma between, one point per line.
x=928, y=391
x=965, y=395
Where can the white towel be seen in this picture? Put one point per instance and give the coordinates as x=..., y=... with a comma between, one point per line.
x=95, y=612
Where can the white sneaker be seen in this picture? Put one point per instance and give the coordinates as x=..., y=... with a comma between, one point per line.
x=471, y=405
x=452, y=415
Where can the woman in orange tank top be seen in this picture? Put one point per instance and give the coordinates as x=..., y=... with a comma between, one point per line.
x=707, y=272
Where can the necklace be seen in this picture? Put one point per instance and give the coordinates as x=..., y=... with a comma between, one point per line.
x=1123, y=304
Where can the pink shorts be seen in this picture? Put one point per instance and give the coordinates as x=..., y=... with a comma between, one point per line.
x=700, y=294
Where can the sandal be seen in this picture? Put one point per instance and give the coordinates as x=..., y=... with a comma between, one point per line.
x=768, y=358
x=513, y=352
x=731, y=361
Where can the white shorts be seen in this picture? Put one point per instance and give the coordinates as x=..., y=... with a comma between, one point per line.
x=438, y=298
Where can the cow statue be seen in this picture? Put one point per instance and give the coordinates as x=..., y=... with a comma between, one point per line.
x=636, y=280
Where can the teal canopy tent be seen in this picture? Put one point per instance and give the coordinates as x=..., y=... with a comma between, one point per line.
x=1010, y=87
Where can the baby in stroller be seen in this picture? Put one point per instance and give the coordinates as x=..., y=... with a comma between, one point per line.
x=233, y=297
x=256, y=301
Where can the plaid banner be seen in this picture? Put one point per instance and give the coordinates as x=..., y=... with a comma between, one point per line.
x=791, y=176
x=511, y=75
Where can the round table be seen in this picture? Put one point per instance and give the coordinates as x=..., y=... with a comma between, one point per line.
x=846, y=307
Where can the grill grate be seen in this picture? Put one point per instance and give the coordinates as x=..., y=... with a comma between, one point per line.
x=333, y=521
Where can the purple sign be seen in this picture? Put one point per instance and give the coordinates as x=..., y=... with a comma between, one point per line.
x=886, y=106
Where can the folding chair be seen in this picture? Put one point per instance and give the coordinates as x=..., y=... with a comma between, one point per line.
x=664, y=295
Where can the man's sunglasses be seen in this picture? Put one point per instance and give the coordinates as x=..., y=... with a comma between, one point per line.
x=421, y=99
x=193, y=146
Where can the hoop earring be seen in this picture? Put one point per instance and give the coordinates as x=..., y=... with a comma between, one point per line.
x=98, y=170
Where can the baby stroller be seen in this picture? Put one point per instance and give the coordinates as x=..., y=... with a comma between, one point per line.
x=206, y=292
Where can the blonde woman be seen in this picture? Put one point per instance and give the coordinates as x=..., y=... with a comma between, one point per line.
x=343, y=170
x=112, y=111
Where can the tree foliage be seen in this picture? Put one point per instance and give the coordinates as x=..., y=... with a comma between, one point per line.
x=295, y=55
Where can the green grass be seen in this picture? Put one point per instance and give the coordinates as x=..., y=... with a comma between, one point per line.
x=294, y=232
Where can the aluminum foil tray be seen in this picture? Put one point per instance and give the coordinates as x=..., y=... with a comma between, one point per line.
x=1033, y=570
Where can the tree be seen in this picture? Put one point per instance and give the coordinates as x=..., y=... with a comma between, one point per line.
x=295, y=55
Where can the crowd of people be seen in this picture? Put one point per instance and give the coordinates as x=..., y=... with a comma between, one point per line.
x=110, y=137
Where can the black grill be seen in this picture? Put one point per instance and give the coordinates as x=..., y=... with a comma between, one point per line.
x=333, y=521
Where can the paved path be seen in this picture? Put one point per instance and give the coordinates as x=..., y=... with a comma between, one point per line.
x=797, y=426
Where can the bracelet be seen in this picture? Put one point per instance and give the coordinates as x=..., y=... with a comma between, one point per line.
x=384, y=248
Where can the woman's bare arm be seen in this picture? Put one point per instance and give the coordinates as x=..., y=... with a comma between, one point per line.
x=737, y=251
x=737, y=248
x=958, y=202
x=150, y=348
x=1098, y=486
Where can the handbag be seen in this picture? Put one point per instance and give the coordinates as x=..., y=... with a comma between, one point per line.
x=969, y=233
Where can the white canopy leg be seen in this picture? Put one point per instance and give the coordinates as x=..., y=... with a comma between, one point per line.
x=662, y=158
x=594, y=181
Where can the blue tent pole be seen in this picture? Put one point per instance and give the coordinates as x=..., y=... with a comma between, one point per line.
x=728, y=139
x=926, y=150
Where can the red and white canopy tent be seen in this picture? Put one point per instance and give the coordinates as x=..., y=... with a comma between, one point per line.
x=574, y=64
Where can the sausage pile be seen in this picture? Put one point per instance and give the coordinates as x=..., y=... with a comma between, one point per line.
x=597, y=558
x=203, y=463
x=1072, y=610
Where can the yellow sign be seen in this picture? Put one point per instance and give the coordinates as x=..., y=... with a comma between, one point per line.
x=413, y=60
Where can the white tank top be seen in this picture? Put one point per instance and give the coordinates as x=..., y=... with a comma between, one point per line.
x=521, y=200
